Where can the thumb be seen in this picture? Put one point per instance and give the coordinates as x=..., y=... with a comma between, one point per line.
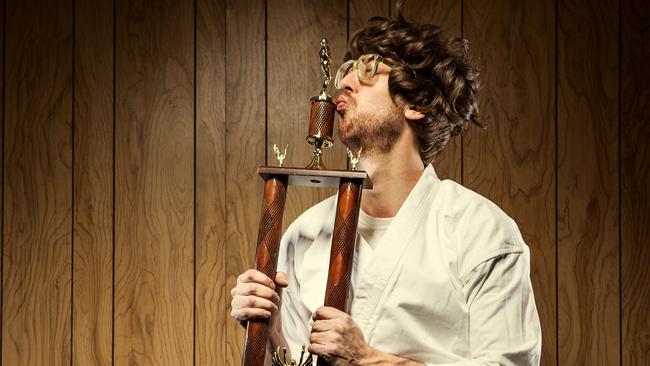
x=281, y=279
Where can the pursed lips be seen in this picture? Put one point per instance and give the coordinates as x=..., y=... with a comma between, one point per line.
x=341, y=104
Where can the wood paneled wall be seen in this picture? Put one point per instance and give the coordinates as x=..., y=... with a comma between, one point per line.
x=132, y=131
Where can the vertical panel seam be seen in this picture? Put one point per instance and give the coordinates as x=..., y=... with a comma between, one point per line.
x=2, y=194
x=557, y=165
x=2, y=215
x=347, y=41
x=347, y=25
x=114, y=215
x=266, y=83
x=72, y=188
x=620, y=212
x=194, y=203
x=225, y=175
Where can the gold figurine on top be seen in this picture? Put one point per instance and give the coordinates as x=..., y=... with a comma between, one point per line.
x=325, y=61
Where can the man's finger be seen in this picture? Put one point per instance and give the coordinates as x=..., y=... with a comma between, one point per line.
x=253, y=302
x=243, y=315
x=321, y=326
x=327, y=312
x=322, y=348
x=255, y=289
x=255, y=276
x=281, y=279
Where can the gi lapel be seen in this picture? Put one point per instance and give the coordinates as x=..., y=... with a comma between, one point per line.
x=388, y=256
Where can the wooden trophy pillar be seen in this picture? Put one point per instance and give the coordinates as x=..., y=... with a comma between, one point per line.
x=343, y=239
x=266, y=261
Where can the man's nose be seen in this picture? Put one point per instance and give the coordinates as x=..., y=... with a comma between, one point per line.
x=349, y=83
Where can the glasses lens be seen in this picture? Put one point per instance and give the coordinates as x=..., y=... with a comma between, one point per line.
x=367, y=66
x=342, y=72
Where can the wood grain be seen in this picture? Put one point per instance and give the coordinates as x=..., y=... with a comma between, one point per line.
x=635, y=180
x=295, y=28
x=446, y=14
x=512, y=162
x=92, y=312
x=212, y=297
x=360, y=11
x=245, y=146
x=588, y=242
x=36, y=311
x=154, y=208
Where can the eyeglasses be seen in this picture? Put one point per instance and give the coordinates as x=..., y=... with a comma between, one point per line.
x=366, y=66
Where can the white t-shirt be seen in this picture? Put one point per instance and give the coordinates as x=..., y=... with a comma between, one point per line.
x=372, y=229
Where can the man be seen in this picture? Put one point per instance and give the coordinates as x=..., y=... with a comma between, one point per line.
x=440, y=274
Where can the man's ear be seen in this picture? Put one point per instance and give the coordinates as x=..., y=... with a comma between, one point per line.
x=412, y=114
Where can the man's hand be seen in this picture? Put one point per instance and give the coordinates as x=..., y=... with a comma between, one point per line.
x=255, y=297
x=337, y=338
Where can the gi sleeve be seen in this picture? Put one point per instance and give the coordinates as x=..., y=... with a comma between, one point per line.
x=504, y=324
x=294, y=314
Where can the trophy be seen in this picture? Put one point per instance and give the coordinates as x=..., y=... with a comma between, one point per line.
x=276, y=180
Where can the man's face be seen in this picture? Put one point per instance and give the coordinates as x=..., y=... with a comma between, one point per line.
x=369, y=118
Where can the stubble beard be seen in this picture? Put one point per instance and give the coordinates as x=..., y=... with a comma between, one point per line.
x=376, y=131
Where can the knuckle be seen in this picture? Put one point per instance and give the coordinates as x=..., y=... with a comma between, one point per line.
x=246, y=276
x=237, y=315
x=348, y=320
x=251, y=301
x=331, y=349
x=256, y=290
x=248, y=313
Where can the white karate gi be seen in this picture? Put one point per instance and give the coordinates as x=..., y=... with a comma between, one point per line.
x=448, y=284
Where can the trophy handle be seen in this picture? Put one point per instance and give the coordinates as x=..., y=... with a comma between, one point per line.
x=266, y=258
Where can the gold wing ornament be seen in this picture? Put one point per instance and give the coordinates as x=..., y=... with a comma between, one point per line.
x=282, y=360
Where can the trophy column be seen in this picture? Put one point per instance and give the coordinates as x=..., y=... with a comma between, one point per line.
x=342, y=252
x=343, y=238
x=266, y=258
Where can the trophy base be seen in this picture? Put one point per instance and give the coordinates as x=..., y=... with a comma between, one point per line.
x=316, y=163
x=314, y=178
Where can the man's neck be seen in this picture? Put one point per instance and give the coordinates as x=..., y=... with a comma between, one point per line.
x=393, y=176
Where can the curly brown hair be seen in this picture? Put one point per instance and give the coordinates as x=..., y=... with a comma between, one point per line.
x=429, y=71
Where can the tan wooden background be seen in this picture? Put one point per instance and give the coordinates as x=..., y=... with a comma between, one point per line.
x=132, y=131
